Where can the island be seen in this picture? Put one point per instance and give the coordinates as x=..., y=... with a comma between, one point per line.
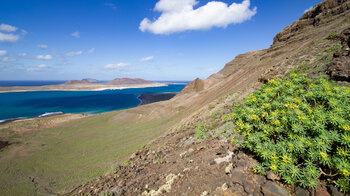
x=88, y=85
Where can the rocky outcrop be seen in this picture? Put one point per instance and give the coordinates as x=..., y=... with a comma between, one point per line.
x=339, y=68
x=324, y=12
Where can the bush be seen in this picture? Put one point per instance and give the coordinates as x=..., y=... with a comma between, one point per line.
x=298, y=128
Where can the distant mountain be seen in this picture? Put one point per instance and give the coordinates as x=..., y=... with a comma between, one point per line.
x=91, y=80
x=83, y=81
x=70, y=82
x=120, y=81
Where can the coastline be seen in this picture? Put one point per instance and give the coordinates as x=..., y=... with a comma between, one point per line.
x=92, y=87
x=148, y=98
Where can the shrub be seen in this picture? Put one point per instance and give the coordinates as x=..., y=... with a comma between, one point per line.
x=298, y=128
x=201, y=132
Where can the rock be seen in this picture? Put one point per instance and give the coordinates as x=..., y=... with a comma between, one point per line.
x=320, y=191
x=228, y=169
x=182, y=155
x=301, y=192
x=273, y=189
x=224, y=187
x=334, y=191
x=205, y=193
x=272, y=176
x=237, y=176
x=188, y=142
x=190, y=150
x=227, y=158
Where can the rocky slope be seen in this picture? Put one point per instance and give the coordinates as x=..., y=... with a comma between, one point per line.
x=184, y=163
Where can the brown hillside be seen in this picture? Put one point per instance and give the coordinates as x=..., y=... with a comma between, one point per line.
x=178, y=163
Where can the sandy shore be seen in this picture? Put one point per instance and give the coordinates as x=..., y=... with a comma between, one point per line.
x=77, y=87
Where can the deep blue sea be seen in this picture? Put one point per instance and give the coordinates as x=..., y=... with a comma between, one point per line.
x=33, y=104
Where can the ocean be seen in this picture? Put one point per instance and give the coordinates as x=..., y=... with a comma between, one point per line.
x=33, y=104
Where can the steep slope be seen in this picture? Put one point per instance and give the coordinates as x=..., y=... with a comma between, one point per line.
x=181, y=162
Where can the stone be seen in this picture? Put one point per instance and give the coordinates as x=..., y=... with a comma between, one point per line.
x=334, y=191
x=224, y=187
x=320, y=191
x=205, y=193
x=301, y=192
x=273, y=189
x=237, y=176
x=272, y=176
x=228, y=169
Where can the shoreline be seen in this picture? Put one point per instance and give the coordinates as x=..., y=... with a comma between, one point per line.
x=146, y=98
x=18, y=89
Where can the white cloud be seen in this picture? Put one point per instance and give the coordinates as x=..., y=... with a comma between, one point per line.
x=310, y=8
x=74, y=53
x=3, y=52
x=8, y=59
x=24, y=32
x=116, y=66
x=92, y=50
x=43, y=46
x=37, y=68
x=149, y=58
x=7, y=28
x=76, y=34
x=179, y=15
x=42, y=66
x=22, y=54
x=11, y=38
x=44, y=57
x=111, y=5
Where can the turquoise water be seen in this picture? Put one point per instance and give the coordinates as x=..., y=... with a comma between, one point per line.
x=33, y=104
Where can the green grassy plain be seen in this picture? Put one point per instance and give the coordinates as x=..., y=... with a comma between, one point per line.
x=55, y=160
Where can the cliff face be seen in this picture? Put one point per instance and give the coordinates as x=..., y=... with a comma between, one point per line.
x=185, y=165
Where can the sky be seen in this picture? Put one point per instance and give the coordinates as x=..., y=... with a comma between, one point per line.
x=172, y=40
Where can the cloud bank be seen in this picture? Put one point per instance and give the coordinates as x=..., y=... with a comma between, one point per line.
x=180, y=15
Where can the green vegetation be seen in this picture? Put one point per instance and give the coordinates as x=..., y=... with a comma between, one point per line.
x=333, y=34
x=201, y=132
x=75, y=152
x=298, y=128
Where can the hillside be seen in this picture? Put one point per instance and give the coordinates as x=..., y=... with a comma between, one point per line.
x=193, y=158
x=176, y=147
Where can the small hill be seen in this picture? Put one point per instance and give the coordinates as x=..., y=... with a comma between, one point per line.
x=73, y=82
x=91, y=80
x=122, y=81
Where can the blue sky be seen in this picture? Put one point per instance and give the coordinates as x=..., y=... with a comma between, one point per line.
x=179, y=40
